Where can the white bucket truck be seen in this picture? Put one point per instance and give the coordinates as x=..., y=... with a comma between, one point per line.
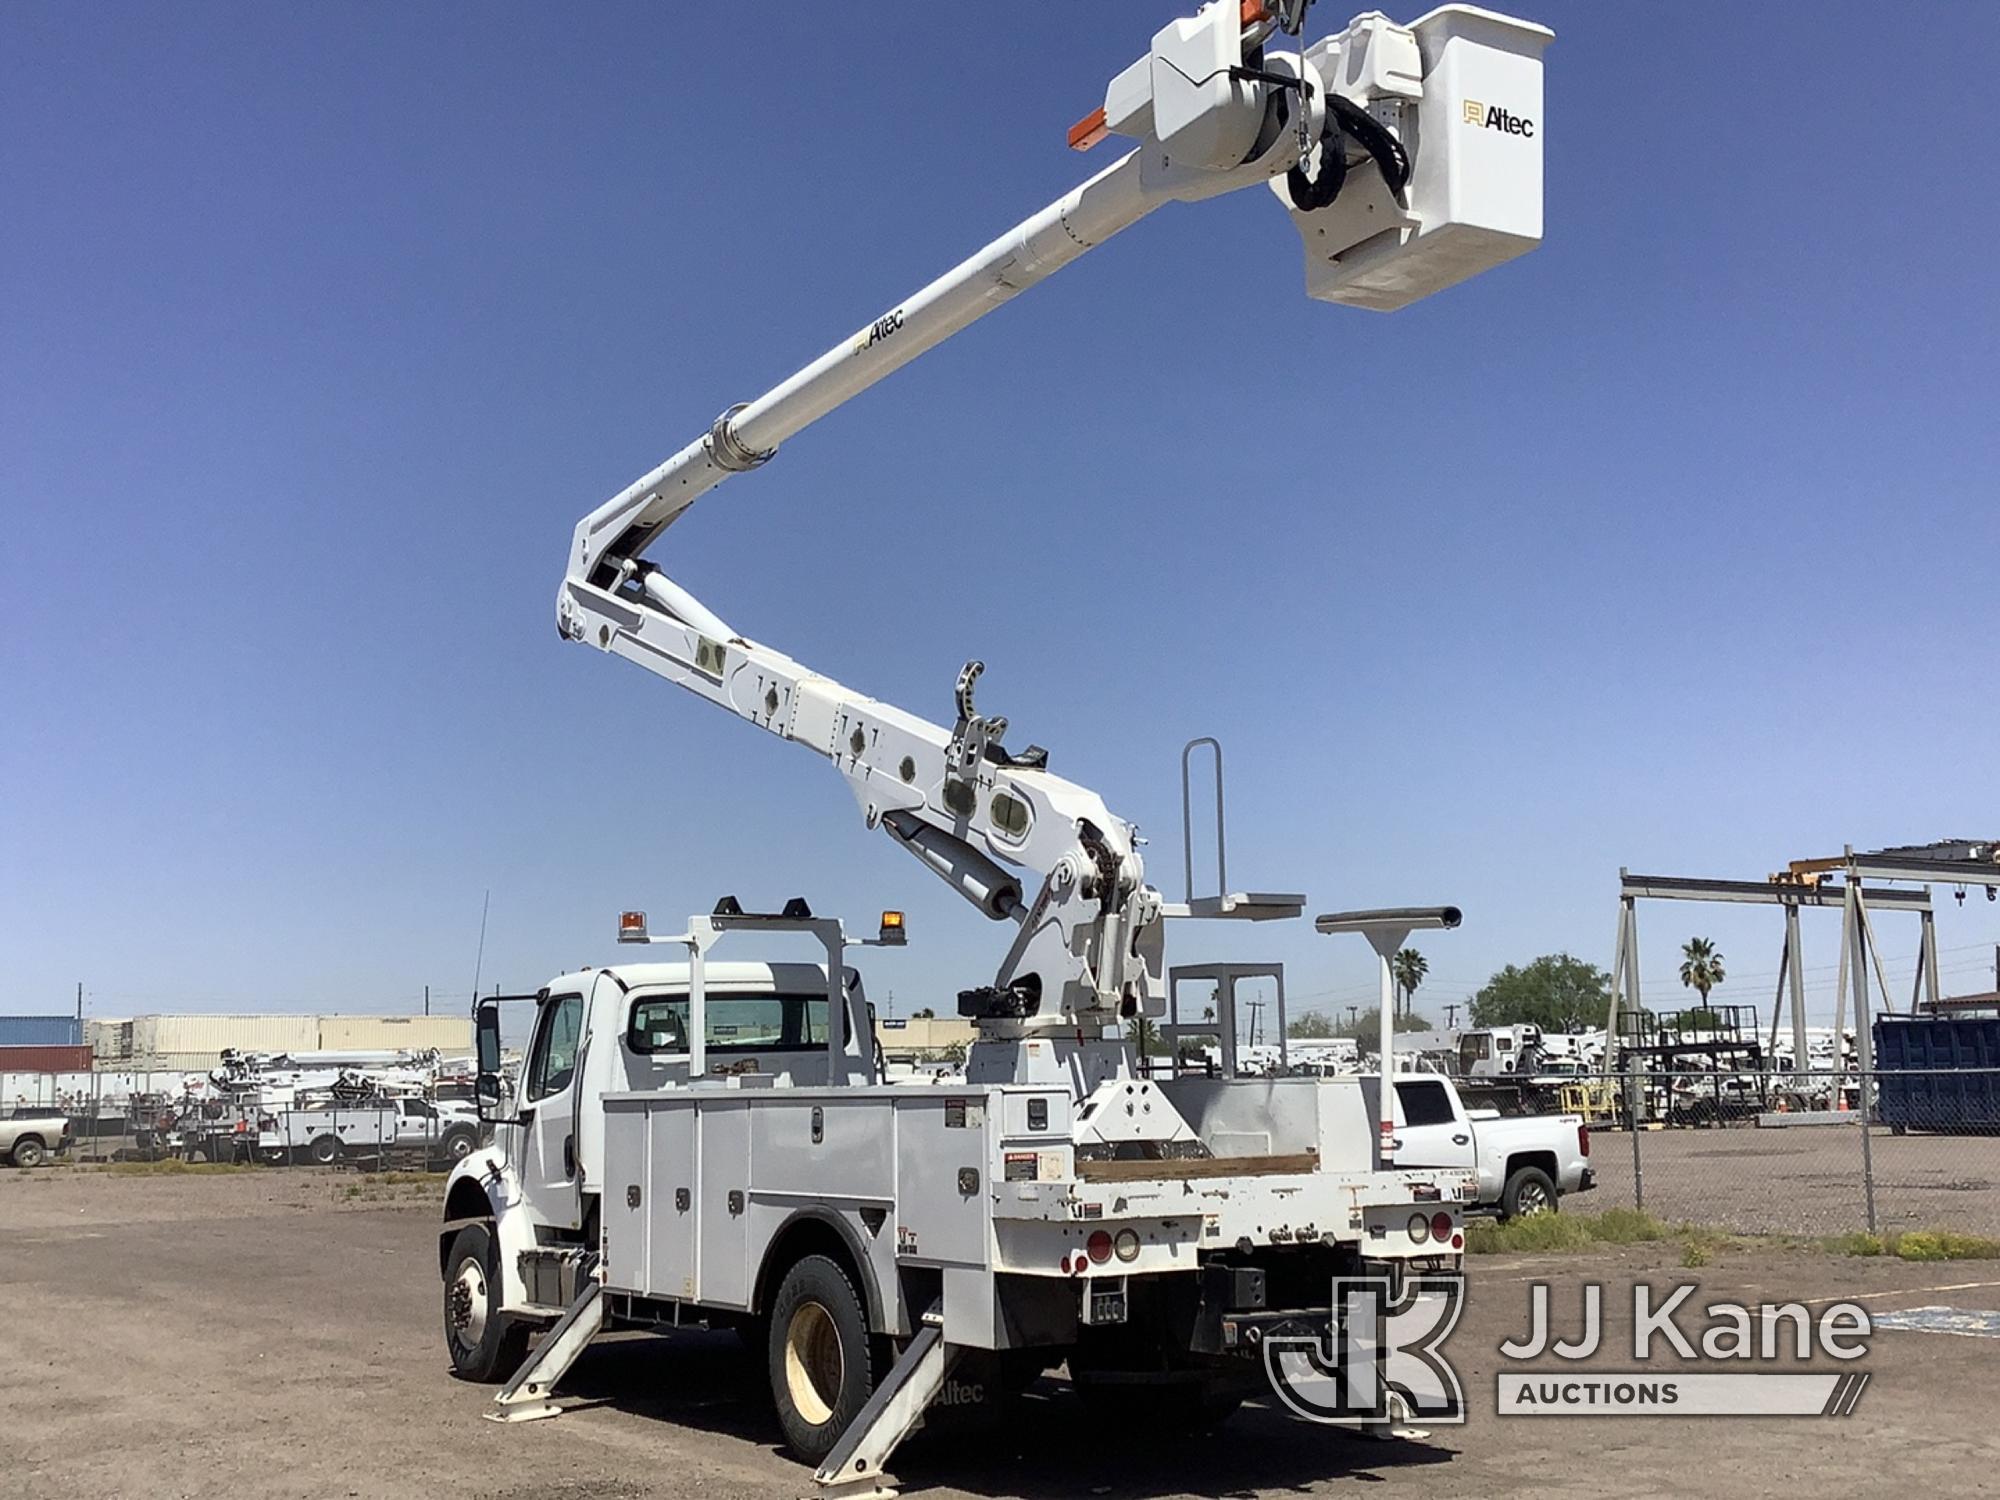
x=1060, y=1203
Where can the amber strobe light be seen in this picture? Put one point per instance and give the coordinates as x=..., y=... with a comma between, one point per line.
x=631, y=927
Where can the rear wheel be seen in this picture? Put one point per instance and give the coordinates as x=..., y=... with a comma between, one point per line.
x=29, y=1151
x=484, y=1343
x=821, y=1359
x=1529, y=1191
x=324, y=1151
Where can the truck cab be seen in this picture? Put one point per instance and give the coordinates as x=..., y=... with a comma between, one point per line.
x=617, y=1030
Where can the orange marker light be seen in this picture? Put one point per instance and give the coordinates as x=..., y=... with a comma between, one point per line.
x=631, y=927
x=1088, y=131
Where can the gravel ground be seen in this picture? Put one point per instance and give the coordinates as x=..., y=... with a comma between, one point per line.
x=275, y=1333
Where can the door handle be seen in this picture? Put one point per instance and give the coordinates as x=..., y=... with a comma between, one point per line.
x=569, y=1156
x=1461, y=1140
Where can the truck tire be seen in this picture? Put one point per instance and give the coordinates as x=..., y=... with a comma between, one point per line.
x=29, y=1152
x=274, y=1156
x=484, y=1343
x=457, y=1144
x=821, y=1359
x=324, y=1150
x=1529, y=1190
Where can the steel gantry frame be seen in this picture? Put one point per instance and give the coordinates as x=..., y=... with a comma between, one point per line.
x=1853, y=898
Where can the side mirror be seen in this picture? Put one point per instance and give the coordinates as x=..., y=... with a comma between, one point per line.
x=486, y=1037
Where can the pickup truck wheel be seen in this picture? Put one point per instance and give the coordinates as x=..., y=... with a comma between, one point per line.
x=29, y=1151
x=484, y=1343
x=821, y=1359
x=324, y=1150
x=457, y=1145
x=1529, y=1191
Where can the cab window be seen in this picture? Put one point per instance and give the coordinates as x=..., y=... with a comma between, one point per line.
x=736, y=1023
x=552, y=1064
x=1424, y=1103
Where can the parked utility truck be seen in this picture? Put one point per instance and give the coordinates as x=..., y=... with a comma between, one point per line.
x=714, y=1142
x=697, y=1142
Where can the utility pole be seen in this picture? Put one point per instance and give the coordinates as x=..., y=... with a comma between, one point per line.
x=1353, y=1016
x=427, y=999
x=79, y=997
x=1451, y=1015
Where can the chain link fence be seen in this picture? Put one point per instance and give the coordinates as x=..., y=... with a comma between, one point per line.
x=168, y=1111
x=1789, y=1153
x=1809, y=1153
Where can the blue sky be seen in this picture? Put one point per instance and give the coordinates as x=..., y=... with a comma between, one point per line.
x=1668, y=546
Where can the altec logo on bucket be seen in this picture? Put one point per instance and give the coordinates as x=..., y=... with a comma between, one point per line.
x=1493, y=117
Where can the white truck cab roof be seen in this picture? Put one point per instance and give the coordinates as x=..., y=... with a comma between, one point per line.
x=737, y=975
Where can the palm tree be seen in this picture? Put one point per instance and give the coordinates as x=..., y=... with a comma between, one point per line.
x=1408, y=968
x=1701, y=967
x=1143, y=1036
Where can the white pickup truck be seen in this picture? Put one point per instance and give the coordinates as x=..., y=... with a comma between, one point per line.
x=1525, y=1163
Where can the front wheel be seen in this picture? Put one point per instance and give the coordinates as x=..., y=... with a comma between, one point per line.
x=457, y=1145
x=821, y=1359
x=1529, y=1191
x=484, y=1343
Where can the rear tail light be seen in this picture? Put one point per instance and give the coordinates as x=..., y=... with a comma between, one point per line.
x=1420, y=1228
x=1440, y=1226
x=1583, y=1140
x=1099, y=1246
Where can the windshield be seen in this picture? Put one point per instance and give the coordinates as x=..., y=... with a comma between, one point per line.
x=736, y=1023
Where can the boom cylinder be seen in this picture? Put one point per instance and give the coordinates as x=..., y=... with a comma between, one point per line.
x=958, y=865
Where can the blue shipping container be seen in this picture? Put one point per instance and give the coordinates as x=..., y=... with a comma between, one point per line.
x=40, y=1031
x=1938, y=1072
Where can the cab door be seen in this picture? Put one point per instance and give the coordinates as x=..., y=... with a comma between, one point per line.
x=551, y=1166
x=1429, y=1131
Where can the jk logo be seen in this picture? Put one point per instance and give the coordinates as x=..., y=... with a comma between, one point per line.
x=1377, y=1344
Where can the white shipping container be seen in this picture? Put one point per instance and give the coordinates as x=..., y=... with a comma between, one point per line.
x=450, y=1035
x=198, y=1041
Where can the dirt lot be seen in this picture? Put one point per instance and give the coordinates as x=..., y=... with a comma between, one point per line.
x=275, y=1333
x=1804, y=1180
